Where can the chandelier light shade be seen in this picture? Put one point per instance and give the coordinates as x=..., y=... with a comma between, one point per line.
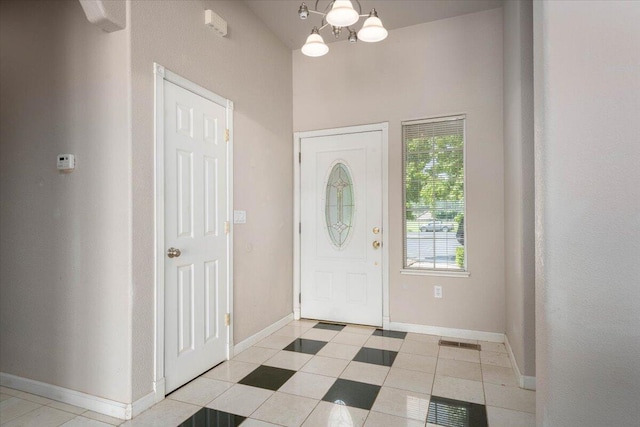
x=372, y=31
x=303, y=12
x=339, y=14
x=342, y=14
x=315, y=45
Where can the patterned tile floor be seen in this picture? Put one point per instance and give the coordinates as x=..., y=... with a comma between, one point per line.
x=320, y=374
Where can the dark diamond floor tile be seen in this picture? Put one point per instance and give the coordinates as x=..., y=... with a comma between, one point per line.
x=267, y=377
x=352, y=393
x=456, y=413
x=206, y=417
x=389, y=334
x=302, y=345
x=330, y=326
x=376, y=356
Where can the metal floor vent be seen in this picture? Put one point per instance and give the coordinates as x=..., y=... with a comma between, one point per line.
x=459, y=344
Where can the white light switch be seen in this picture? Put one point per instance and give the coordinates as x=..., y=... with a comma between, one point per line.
x=239, y=217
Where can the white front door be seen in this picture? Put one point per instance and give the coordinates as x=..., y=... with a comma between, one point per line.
x=341, y=227
x=195, y=188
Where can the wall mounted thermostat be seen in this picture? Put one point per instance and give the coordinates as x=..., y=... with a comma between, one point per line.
x=66, y=162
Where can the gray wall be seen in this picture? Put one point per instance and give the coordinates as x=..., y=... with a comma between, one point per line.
x=252, y=68
x=65, y=251
x=519, y=183
x=445, y=67
x=73, y=243
x=587, y=68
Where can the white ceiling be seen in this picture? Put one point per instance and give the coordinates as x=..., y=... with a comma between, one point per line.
x=281, y=16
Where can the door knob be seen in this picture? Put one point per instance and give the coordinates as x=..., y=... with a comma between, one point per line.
x=173, y=253
x=376, y=244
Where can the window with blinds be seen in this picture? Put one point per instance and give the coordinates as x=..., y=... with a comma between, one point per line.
x=433, y=184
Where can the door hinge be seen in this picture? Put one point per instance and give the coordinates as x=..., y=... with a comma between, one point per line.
x=226, y=135
x=299, y=228
x=227, y=227
x=300, y=297
x=227, y=319
x=300, y=157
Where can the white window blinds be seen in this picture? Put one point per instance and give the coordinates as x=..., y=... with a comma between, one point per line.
x=433, y=183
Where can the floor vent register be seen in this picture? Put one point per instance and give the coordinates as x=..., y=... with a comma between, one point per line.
x=447, y=343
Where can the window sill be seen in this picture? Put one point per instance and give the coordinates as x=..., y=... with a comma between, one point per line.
x=441, y=273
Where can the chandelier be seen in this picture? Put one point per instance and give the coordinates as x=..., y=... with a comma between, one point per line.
x=340, y=14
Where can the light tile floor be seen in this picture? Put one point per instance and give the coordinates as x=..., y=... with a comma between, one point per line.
x=23, y=409
x=378, y=378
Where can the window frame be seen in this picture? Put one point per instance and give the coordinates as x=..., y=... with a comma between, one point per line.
x=428, y=271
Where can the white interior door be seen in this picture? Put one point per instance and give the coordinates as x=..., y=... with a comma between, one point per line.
x=341, y=228
x=195, y=213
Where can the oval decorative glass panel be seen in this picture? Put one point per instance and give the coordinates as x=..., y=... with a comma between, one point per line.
x=339, y=204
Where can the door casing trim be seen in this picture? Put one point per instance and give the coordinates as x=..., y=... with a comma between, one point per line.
x=297, y=137
x=160, y=75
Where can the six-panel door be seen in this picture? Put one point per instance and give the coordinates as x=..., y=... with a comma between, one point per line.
x=195, y=214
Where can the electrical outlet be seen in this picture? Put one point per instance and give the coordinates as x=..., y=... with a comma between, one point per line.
x=437, y=291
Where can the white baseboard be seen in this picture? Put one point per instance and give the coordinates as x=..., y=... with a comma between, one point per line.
x=65, y=395
x=526, y=382
x=447, y=332
x=147, y=401
x=124, y=411
x=255, y=338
